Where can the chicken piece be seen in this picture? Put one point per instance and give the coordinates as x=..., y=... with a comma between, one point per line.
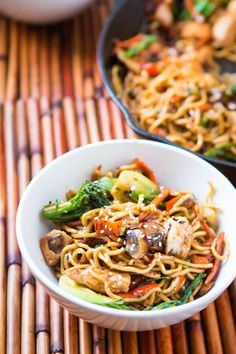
x=192, y=29
x=164, y=14
x=224, y=29
x=117, y=282
x=52, y=244
x=231, y=7
x=178, y=236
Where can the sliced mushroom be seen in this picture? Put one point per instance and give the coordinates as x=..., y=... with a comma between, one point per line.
x=117, y=282
x=52, y=244
x=178, y=236
x=155, y=234
x=136, y=243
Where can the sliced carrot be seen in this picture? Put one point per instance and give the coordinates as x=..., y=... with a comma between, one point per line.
x=151, y=69
x=146, y=170
x=171, y=203
x=205, y=107
x=189, y=5
x=176, y=99
x=161, y=197
x=219, y=249
x=159, y=131
x=130, y=41
x=140, y=291
x=108, y=228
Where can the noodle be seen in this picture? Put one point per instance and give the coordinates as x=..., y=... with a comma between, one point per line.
x=175, y=89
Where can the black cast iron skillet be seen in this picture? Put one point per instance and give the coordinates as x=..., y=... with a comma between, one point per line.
x=127, y=19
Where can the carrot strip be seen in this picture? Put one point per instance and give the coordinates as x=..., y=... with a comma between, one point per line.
x=108, y=228
x=141, y=290
x=130, y=41
x=205, y=107
x=171, y=203
x=206, y=228
x=199, y=259
x=219, y=248
x=145, y=169
x=161, y=197
x=159, y=131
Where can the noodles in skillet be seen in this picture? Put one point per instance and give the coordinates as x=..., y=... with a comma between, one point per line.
x=122, y=241
x=170, y=78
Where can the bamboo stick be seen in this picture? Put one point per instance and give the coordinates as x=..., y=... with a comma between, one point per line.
x=70, y=333
x=13, y=309
x=66, y=62
x=91, y=117
x=77, y=78
x=77, y=59
x=28, y=291
x=147, y=342
x=114, y=342
x=3, y=302
x=13, y=254
x=56, y=95
x=87, y=56
x=56, y=327
x=3, y=58
x=12, y=74
x=116, y=121
x=211, y=329
x=164, y=341
x=85, y=338
x=180, y=339
x=226, y=323
x=42, y=313
x=232, y=293
x=34, y=65
x=196, y=335
x=44, y=76
x=130, y=343
x=24, y=62
x=99, y=340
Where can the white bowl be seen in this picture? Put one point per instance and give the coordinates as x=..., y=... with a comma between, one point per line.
x=174, y=167
x=42, y=11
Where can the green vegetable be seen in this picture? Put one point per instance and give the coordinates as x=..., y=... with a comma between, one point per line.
x=88, y=295
x=233, y=88
x=222, y=151
x=147, y=40
x=185, y=297
x=204, y=121
x=204, y=7
x=130, y=184
x=106, y=183
x=89, y=196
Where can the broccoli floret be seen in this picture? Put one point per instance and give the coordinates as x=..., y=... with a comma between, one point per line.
x=90, y=196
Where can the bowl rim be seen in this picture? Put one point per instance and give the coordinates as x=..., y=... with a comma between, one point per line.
x=66, y=296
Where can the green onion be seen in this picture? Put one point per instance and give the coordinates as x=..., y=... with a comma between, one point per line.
x=204, y=7
x=185, y=297
x=142, y=45
x=233, y=88
x=222, y=151
x=204, y=121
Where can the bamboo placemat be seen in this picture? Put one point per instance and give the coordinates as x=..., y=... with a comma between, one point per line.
x=51, y=101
